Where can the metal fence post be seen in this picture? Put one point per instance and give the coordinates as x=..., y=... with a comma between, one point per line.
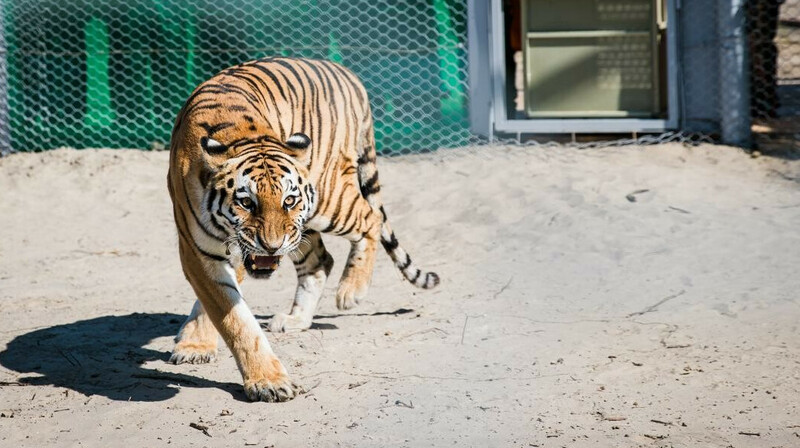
x=5, y=137
x=734, y=72
x=480, y=84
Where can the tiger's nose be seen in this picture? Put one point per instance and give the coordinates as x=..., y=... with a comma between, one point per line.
x=269, y=248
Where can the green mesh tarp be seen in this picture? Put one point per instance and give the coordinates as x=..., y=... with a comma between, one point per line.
x=114, y=74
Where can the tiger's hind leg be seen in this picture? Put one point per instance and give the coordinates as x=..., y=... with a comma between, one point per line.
x=313, y=265
x=364, y=235
x=197, y=339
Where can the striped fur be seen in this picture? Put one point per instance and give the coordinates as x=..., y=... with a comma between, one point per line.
x=264, y=156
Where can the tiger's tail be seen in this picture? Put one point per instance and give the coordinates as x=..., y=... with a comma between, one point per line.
x=370, y=190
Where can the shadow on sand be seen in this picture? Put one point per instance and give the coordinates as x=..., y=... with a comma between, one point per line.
x=104, y=356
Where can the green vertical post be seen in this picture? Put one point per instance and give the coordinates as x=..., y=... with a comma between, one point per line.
x=99, y=113
x=334, y=52
x=452, y=105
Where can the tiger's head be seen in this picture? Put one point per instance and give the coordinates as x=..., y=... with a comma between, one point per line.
x=262, y=198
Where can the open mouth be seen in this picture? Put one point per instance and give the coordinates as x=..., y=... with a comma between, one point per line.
x=261, y=266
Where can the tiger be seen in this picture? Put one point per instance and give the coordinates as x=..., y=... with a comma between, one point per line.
x=265, y=156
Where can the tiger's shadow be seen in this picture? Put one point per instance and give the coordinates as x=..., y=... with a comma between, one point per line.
x=104, y=356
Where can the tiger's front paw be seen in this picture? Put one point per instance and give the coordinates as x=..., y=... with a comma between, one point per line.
x=351, y=291
x=286, y=322
x=193, y=353
x=278, y=389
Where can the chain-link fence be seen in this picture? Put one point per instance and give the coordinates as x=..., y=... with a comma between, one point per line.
x=774, y=48
x=114, y=74
x=90, y=73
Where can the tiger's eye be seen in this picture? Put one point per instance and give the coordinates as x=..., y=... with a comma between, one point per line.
x=289, y=201
x=246, y=203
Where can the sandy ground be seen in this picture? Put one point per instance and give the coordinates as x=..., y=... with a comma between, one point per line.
x=568, y=315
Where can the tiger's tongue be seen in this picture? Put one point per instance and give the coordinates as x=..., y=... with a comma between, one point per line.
x=264, y=262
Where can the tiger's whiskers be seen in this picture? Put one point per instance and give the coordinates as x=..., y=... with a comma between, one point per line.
x=228, y=242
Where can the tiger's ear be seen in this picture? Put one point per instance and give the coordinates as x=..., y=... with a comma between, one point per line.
x=299, y=144
x=298, y=140
x=212, y=146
